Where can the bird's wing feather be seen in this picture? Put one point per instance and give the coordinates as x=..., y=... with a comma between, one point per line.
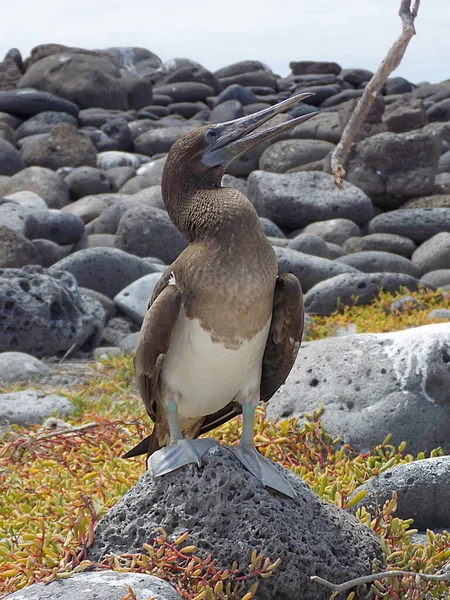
x=154, y=339
x=285, y=334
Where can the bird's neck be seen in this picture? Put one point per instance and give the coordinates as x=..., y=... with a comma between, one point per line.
x=204, y=211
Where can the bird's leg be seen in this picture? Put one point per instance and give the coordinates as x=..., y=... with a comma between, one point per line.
x=180, y=452
x=262, y=468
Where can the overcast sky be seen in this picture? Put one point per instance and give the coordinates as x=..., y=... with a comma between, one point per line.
x=354, y=33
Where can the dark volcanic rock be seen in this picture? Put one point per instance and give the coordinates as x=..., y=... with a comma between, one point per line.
x=288, y=154
x=43, y=314
x=372, y=385
x=105, y=270
x=405, y=114
x=309, y=536
x=418, y=224
x=29, y=102
x=307, y=67
x=294, y=200
x=85, y=181
x=16, y=251
x=391, y=168
x=149, y=232
x=309, y=269
x=57, y=226
x=186, y=91
x=88, y=80
x=43, y=182
x=226, y=111
x=422, y=487
x=397, y=85
x=65, y=147
x=335, y=231
x=434, y=254
x=43, y=123
x=11, y=161
x=108, y=585
x=354, y=288
x=373, y=261
x=383, y=242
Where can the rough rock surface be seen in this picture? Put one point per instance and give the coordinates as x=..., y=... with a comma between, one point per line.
x=294, y=200
x=391, y=168
x=419, y=224
x=309, y=536
x=354, y=288
x=15, y=250
x=423, y=489
x=133, y=300
x=32, y=406
x=105, y=270
x=44, y=314
x=371, y=385
x=43, y=182
x=100, y=585
x=17, y=366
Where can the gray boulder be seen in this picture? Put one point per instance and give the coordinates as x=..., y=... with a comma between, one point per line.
x=418, y=224
x=64, y=147
x=308, y=243
x=157, y=141
x=309, y=536
x=86, y=181
x=382, y=242
x=17, y=366
x=43, y=182
x=16, y=218
x=49, y=253
x=391, y=168
x=28, y=200
x=42, y=313
x=32, y=406
x=373, y=261
x=16, y=251
x=324, y=126
x=439, y=278
x=113, y=158
x=288, y=154
x=296, y=199
x=335, y=231
x=351, y=289
x=100, y=585
x=405, y=114
x=26, y=103
x=105, y=270
x=434, y=201
x=371, y=385
x=309, y=269
x=423, y=489
x=434, y=254
x=118, y=328
x=133, y=300
x=43, y=123
x=89, y=208
x=444, y=163
x=11, y=161
x=89, y=79
x=57, y=226
x=149, y=232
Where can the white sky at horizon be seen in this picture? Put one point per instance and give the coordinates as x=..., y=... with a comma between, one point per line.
x=354, y=33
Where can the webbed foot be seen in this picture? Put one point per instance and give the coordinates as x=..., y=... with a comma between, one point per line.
x=263, y=469
x=182, y=452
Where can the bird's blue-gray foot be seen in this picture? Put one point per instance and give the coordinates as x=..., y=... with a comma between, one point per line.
x=263, y=469
x=179, y=454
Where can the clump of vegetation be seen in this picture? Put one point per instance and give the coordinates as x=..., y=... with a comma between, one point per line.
x=380, y=317
x=56, y=485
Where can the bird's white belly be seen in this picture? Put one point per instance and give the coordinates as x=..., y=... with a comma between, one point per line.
x=206, y=376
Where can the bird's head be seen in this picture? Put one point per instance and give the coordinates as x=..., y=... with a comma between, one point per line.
x=208, y=151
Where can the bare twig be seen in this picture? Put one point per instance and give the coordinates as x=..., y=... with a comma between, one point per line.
x=389, y=64
x=56, y=432
x=347, y=585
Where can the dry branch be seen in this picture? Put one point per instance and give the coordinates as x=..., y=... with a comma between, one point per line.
x=389, y=64
x=347, y=585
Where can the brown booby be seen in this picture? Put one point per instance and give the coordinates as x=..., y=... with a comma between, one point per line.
x=222, y=330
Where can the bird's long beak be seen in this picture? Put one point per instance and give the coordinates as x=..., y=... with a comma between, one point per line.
x=228, y=141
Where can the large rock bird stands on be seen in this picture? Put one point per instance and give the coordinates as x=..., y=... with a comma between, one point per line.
x=222, y=330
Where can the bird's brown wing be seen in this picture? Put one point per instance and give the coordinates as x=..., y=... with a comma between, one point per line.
x=153, y=343
x=285, y=335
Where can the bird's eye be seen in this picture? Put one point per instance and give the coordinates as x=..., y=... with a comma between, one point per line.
x=212, y=135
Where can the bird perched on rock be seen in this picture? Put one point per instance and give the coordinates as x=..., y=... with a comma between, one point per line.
x=222, y=331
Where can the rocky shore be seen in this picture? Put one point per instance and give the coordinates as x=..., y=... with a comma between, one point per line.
x=84, y=238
